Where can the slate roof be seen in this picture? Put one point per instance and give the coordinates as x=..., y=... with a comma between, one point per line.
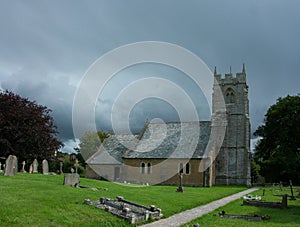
x=161, y=140
x=112, y=149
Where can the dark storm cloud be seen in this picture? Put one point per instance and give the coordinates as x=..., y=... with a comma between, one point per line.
x=52, y=90
x=46, y=46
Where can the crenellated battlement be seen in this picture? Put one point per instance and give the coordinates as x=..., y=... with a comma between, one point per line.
x=229, y=78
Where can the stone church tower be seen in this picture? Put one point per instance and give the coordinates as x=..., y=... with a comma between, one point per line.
x=232, y=165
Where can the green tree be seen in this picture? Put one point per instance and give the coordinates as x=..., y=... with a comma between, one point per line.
x=255, y=168
x=90, y=143
x=277, y=152
x=27, y=129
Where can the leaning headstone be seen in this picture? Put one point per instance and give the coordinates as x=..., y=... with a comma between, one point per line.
x=35, y=165
x=45, y=167
x=23, y=167
x=11, y=166
x=8, y=166
x=72, y=179
x=30, y=168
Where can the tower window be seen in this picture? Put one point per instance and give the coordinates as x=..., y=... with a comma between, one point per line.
x=230, y=96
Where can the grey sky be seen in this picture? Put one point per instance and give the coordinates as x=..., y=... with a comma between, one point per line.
x=47, y=46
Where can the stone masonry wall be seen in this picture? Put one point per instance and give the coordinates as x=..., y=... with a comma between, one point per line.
x=232, y=165
x=160, y=172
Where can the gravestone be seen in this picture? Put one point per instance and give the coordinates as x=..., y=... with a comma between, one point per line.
x=45, y=167
x=130, y=211
x=0, y=168
x=282, y=204
x=35, y=165
x=30, y=168
x=72, y=179
x=23, y=167
x=11, y=166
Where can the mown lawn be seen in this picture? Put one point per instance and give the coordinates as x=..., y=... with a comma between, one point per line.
x=278, y=217
x=38, y=200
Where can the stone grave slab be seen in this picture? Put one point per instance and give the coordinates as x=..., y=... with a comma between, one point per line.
x=132, y=212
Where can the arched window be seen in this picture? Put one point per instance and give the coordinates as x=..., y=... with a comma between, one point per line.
x=230, y=96
x=184, y=169
x=149, y=168
x=143, y=168
x=188, y=168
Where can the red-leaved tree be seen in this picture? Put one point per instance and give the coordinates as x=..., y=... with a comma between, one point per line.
x=26, y=129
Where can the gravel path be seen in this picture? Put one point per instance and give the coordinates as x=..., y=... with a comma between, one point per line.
x=189, y=215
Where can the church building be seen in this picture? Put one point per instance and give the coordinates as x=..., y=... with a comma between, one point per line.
x=146, y=159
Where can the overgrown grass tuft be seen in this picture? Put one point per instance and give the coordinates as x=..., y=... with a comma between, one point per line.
x=42, y=200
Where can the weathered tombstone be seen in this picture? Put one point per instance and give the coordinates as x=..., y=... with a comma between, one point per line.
x=35, y=165
x=30, y=168
x=61, y=168
x=45, y=167
x=0, y=168
x=23, y=167
x=11, y=166
x=72, y=179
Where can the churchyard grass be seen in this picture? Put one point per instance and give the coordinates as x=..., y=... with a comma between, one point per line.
x=278, y=217
x=42, y=200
